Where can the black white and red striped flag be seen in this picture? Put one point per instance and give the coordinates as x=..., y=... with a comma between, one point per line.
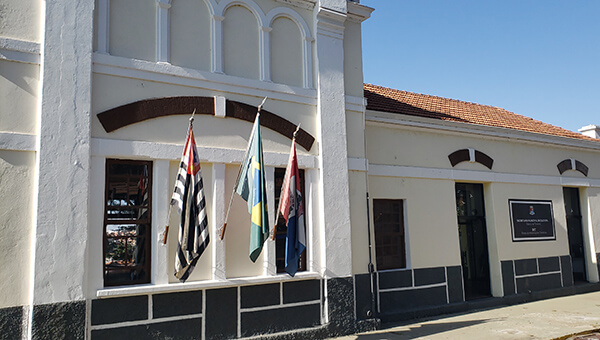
x=191, y=206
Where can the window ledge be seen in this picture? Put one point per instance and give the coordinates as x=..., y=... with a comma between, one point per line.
x=176, y=287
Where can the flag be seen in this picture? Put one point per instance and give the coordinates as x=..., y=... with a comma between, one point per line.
x=251, y=186
x=292, y=210
x=191, y=206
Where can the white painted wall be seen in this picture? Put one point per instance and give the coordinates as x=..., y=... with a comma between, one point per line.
x=432, y=230
x=241, y=46
x=190, y=36
x=237, y=236
x=412, y=146
x=21, y=19
x=358, y=216
x=421, y=173
x=19, y=84
x=286, y=53
x=133, y=29
x=16, y=208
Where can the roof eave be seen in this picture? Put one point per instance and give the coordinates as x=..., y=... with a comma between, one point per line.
x=382, y=117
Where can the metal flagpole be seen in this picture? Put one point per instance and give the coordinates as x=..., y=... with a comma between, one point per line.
x=166, y=232
x=224, y=227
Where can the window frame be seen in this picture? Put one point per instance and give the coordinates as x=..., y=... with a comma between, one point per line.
x=402, y=245
x=147, y=266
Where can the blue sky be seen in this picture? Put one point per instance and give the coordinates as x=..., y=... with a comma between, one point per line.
x=536, y=58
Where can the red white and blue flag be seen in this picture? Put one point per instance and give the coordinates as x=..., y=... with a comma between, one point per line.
x=292, y=210
x=189, y=198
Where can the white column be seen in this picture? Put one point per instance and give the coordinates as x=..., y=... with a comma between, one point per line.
x=95, y=260
x=335, y=230
x=103, y=25
x=307, y=62
x=218, y=218
x=588, y=236
x=312, y=218
x=217, y=43
x=63, y=153
x=269, y=247
x=162, y=30
x=160, y=210
x=265, y=53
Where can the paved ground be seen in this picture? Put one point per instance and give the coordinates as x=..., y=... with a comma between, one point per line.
x=547, y=319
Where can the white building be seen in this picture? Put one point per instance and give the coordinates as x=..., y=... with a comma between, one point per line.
x=425, y=191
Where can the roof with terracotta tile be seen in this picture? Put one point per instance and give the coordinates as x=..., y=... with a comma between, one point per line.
x=396, y=101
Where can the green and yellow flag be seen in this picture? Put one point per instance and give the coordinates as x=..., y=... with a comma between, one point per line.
x=251, y=186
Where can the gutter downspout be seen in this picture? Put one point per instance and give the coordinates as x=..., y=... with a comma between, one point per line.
x=371, y=268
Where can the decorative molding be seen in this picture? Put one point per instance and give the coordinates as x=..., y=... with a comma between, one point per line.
x=189, y=286
x=142, y=110
x=17, y=141
x=475, y=175
x=19, y=51
x=176, y=75
x=390, y=119
x=307, y=40
x=572, y=164
x=470, y=155
x=116, y=148
x=250, y=5
x=358, y=13
x=358, y=164
x=330, y=23
x=304, y=4
x=270, y=120
x=357, y=104
x=220, y=106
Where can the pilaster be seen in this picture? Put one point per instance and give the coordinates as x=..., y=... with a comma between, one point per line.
x=60, y=237
x=162, y=30
x=218, y=218
x=335, y=231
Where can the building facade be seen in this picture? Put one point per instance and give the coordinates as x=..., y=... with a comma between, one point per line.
x=413, y=204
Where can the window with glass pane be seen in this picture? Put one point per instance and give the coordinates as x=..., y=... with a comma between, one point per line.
x=281, y=228
x=388, y=220
x=127, y=222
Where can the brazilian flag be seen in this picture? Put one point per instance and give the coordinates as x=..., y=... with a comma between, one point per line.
x=251, y=186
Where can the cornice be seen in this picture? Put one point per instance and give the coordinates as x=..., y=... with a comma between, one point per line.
x=305, y=4
x=358, y=13
x=391, y=119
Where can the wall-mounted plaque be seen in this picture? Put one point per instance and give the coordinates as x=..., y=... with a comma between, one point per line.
x=531, y=220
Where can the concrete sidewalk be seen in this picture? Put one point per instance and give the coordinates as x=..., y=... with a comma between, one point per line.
x=546, y=319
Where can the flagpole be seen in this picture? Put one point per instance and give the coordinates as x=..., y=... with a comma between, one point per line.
x=224, y=227
x=166, y=232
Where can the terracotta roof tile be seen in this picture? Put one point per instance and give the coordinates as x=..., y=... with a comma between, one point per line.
x=396, y=101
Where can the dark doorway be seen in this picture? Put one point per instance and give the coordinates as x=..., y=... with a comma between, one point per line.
x=575, y=232
x=473, y=240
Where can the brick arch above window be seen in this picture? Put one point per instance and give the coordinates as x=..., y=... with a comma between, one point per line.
x=142, y=110
x=472, y=156
x=572, y=164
